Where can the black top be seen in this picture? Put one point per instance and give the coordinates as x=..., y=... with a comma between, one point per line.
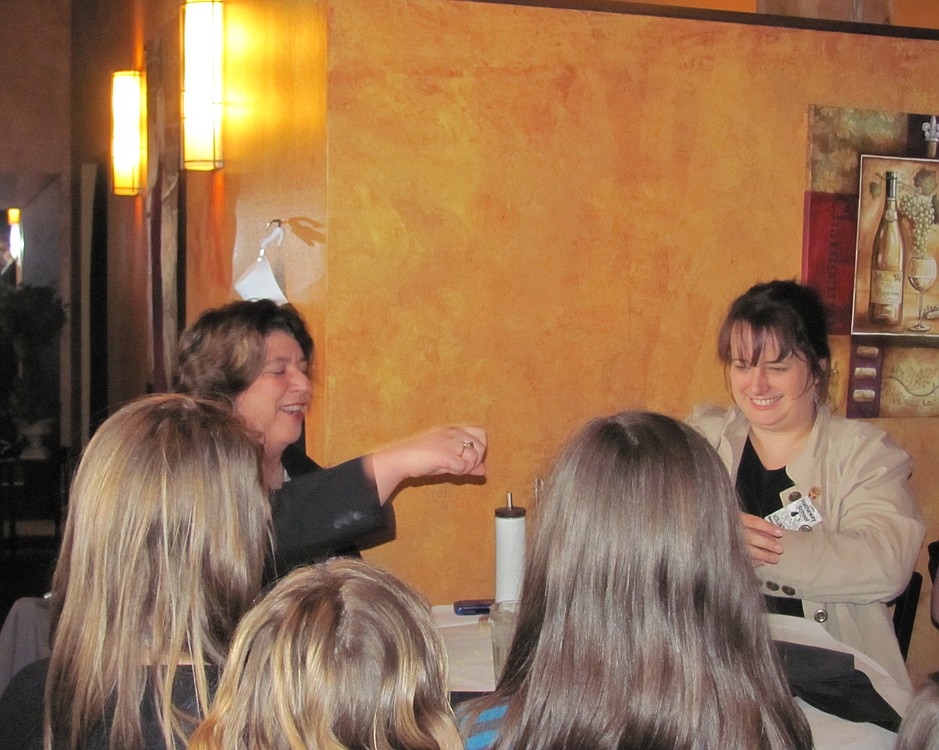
x=759, y=489
x=22, y=705
x=319, y=513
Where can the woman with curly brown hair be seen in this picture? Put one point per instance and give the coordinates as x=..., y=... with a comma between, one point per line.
x=255, y=356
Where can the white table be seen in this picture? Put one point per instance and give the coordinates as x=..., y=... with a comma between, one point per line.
x=469, y=649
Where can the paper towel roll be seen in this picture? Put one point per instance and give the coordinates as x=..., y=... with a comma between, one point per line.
x=510, y=552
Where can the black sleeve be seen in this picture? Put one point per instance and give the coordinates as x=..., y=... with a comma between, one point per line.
x=21, y=708
x=323, y=512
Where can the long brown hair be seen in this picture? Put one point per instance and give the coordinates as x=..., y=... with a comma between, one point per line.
x=162, y=553
x=640, y=622
x=337, y=656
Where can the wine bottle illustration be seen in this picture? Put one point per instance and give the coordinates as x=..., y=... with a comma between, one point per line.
x=886, y=302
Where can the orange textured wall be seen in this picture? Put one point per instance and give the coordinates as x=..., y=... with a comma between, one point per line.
x=918, y=13
x=538, y=216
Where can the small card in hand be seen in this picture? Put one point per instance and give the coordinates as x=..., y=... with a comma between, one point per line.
x=799, y=515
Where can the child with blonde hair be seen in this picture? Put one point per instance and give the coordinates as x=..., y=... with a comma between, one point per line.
x=338, y=656
x=919, y=729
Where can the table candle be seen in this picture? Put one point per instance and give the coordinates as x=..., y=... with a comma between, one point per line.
x=510, y=550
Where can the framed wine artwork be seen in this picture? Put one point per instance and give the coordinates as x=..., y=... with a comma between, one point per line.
x=892, y=367
x=895, y=290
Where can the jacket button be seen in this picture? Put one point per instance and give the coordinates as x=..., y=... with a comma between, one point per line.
x=789, y=591
x=805, y=527
x=772, y=586
x=793, y=496
x=820, y=615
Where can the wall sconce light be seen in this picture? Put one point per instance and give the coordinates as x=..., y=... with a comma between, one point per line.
x=203, y=54
x=128, y=133
x=16, y=233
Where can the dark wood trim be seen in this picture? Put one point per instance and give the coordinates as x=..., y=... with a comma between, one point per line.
x=725, y=16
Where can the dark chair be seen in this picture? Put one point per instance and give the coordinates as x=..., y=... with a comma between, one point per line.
x=904, y=611
x=933, y=566
x=24, y=637
x=33, y=490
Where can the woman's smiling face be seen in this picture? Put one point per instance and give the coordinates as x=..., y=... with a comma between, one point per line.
x=776, y=394
x=275, y=404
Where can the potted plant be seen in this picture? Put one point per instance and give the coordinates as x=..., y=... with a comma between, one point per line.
x=32, y=317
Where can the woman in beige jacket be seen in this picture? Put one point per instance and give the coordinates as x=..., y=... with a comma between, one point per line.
x=850, y=533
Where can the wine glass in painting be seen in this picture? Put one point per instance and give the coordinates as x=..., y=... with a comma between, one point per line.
x=922, y=275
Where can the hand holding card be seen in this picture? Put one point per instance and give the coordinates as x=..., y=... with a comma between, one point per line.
x=799, y=515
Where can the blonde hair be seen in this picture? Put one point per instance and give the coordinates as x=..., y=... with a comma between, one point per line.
x=338, y=655
x=640, y=622
x=162, y=553
x=919, y=729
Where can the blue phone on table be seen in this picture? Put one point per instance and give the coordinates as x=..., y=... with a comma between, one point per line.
x=472, y=606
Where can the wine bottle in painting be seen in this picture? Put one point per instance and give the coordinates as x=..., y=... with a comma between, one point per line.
x=886, y=303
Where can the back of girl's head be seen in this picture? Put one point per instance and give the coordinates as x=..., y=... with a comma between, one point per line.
x=162, y=553
x=790, y=314
x=920, y=727
x=337, y=655
x=639, y=517
x=222, y=353
x=640, y=611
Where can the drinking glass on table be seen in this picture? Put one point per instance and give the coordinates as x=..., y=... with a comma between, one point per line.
x=502, y=617
x=922, y=275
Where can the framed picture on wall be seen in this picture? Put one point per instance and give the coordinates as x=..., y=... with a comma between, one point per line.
x=895, y=290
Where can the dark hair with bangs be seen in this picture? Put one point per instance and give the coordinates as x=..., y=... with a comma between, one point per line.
x=790, y=314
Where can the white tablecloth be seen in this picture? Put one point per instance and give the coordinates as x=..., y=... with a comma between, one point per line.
x=469, y=649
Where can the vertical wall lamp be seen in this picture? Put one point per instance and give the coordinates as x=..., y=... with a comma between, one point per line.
x=128, y=132
x=203, y=55
x=15, y=257
x=16, y=233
